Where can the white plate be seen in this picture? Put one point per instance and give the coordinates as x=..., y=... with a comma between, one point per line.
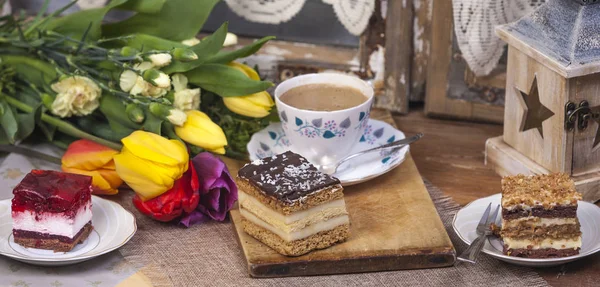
x=272, y=140
x=113, y=227
x=467, y=218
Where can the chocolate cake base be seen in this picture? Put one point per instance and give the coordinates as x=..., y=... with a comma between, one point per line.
x=555, y=212
x=51, y=242
x=298, y=247
x=541, y=253
x=327, y=194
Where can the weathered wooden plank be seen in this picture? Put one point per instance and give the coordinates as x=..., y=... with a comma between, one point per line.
x=451, y=92
x=421, y=47
x=380, y=213
x=398, y=57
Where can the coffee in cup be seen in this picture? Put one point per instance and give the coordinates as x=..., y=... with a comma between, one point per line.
x=324, y=115
x=323, y=97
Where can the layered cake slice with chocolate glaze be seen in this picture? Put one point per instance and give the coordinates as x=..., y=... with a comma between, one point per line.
x=539, y=216
x=290, y=206
x=52, y=210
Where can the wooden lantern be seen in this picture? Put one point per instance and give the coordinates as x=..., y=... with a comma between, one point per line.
x=552, y=112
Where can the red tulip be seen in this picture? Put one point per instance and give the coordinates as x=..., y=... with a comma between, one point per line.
x=181, y=199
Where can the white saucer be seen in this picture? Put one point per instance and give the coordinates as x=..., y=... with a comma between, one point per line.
x=467, y=218
x=272, y=140
x=113, y=227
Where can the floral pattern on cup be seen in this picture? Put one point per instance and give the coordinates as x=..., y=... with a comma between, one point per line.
x=318, y=128
x=370, y=136
x=363, y=119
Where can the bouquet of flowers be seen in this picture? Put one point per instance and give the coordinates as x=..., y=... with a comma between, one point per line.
x=143, y=93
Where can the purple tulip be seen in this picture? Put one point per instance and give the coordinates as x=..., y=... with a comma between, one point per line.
x=218, y=191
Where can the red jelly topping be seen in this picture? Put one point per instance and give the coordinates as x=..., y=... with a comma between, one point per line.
x=52, y=191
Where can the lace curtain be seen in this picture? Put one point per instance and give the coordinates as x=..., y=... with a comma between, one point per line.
x=353, y=14
x=474, y=22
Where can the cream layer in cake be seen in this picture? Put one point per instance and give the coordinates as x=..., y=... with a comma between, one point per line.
x=546, y=243
x=296, y=225
x=53, y=223
x=296, y=220
x=300, y=234
x=535, y=221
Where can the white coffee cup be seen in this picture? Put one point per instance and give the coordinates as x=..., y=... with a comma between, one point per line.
x=324, y=137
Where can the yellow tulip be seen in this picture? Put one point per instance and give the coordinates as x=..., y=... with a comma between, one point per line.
x=150, y=164
x=199, y=130
x=257, y=105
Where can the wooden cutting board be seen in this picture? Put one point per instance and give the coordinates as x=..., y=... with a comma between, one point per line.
x=393, y=223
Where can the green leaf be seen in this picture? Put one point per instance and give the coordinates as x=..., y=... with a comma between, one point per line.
x=225, y=81
x=228, y=56
x=9, y=124
x=75, y=24
x=114, y=110
x=273, y=116
x=26, y=123
x=32, y=70
x=47, y=130
x=168, y=131
x=208, y=47
x=152, y=123
x=143, y=6
x=149, y=42
x=178, y=20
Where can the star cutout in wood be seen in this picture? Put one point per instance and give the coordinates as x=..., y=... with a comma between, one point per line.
x=535, y=113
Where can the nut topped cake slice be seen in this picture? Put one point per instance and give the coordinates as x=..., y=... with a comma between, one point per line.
x=539, y=216
x=290, y=206
x=52, y=210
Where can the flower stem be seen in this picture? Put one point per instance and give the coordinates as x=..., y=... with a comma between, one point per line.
x=30, y=153
x=63, y=126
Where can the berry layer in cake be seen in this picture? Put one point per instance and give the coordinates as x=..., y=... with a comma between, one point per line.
x=288, y=205
x=52, y=210
x=539, y=216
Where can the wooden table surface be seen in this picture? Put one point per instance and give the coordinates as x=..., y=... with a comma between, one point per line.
x=451, y=156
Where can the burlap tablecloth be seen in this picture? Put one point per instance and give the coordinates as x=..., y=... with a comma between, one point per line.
x=209, y=255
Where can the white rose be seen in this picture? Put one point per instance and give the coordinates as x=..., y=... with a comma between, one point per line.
x=230, y=40
x=76, y=95
x=160, y=60
x=190, y=42
x=127, y=80
x=177, y=117
x=179, y=81
x=188, y=99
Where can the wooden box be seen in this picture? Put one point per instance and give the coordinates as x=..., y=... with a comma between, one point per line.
x=551, y=116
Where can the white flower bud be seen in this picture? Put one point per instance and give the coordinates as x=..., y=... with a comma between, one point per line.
x=160, y=60
x=230, y=40
x=139, y=87
x=146, y=89
x=127, y=80
x=76, y=95
x=188, y=99
x=177, y=117
x=143, y=66
x=190, y=42
x=179, y=81
x=163, y=81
